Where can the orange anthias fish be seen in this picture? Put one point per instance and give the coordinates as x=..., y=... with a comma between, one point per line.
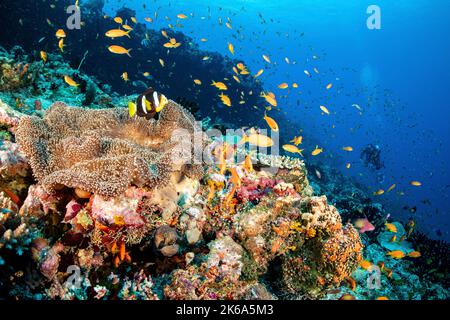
x=257, y=139
x=271, y=123
x=365, y=264
x=172, y=44
x=391, y=187
x=219, y=85
x=61, y=44
x=292, y=149
x=248, y=164
x=117, y=33
x=317, y=151
x=396, y=254
x=325, y=110
x=297, y=140
x=127, y=27
x=391, y=227
x=236, y=181
x=231, y=48
x=119, y=50
x=225, y=99
x=260, y=72
x=60, y=34
x=43, y=56
x=70, y=81
x=414, y=254
x=270, y=98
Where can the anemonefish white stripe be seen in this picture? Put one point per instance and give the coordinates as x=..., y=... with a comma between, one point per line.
x=155, y=99
x=143, y=106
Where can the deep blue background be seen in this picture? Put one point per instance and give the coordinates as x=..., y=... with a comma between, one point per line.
x=399, y=75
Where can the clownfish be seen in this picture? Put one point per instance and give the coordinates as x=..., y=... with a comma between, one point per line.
x=148, y=104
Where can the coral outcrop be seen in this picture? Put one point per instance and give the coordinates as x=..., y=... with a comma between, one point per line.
x=104, y=151
x=131, y=207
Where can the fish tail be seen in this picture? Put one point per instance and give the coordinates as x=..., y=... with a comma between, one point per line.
x=128, y=35
x=243, y=140
x=128, y=53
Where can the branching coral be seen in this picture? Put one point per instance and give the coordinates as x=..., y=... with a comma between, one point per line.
x=15, y=233
x=104, y=151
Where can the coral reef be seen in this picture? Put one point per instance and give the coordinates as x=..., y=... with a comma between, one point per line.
x=98, y=205
x=103, y=151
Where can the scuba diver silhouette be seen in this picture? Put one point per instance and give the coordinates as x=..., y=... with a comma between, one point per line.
x=371, y=157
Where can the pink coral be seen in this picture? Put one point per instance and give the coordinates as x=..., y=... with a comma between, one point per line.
x=120, y=211
x=12, y=162
x=254, y=190
x=38, y=202
x=50, y=259
x=8, y=116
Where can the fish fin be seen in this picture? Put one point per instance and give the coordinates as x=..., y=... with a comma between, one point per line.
x=243, y=140
x=128, y=53
x=132, y=108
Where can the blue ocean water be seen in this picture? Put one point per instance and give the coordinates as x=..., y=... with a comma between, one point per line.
x=398, y=75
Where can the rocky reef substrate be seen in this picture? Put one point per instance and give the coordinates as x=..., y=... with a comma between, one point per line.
x=96, y=205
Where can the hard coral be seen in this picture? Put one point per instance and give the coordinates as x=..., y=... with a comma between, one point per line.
x=8, y=116
x=14, y=75
x=13, y=164
x=322, y=263
x=203, y=283
x=104, y=151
